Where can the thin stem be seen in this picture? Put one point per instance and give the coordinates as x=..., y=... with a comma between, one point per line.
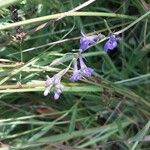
x=65, y=14
x=8, y=2
x=107, y=26
x=17, y=71
x=133, y=23
x=32, y=87
x=145, y=30
x=21, y=52
x=72, y=10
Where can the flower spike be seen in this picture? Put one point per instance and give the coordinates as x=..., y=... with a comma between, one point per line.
x=54, y=82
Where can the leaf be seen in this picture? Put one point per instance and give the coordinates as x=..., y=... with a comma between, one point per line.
x=73, y=119
x=4, y=3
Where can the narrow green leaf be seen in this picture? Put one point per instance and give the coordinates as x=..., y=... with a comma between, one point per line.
x=73, y=119
x=4, y=3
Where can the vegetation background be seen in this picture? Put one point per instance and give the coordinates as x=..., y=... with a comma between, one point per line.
x=110, y=111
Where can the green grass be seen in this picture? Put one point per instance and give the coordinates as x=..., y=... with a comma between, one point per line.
x=110, y=110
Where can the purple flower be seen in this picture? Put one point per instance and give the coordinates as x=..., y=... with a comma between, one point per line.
x=49, y=81
x=111, y=43
x=58, y=88
x=56, y=84
x=86, y=71
x=57, y=80
x=57, y=92
x=76, y=73
x=86, y=41
x=46, y=91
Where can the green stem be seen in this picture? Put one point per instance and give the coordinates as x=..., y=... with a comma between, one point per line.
x=7, y=2
x=21, y=53
x=133, y=23
x=17, y=71
x=107, y=26
x=65, y=14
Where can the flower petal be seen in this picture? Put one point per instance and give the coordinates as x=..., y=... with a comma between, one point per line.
x=76, y=76
x=46, y=92
x=86, y=71
x=86, y=41
x=111, y=43
x=57, y=94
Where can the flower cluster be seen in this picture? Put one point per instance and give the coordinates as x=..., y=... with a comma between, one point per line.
x=79, y=67
x=82, y=71
x=54, y=83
